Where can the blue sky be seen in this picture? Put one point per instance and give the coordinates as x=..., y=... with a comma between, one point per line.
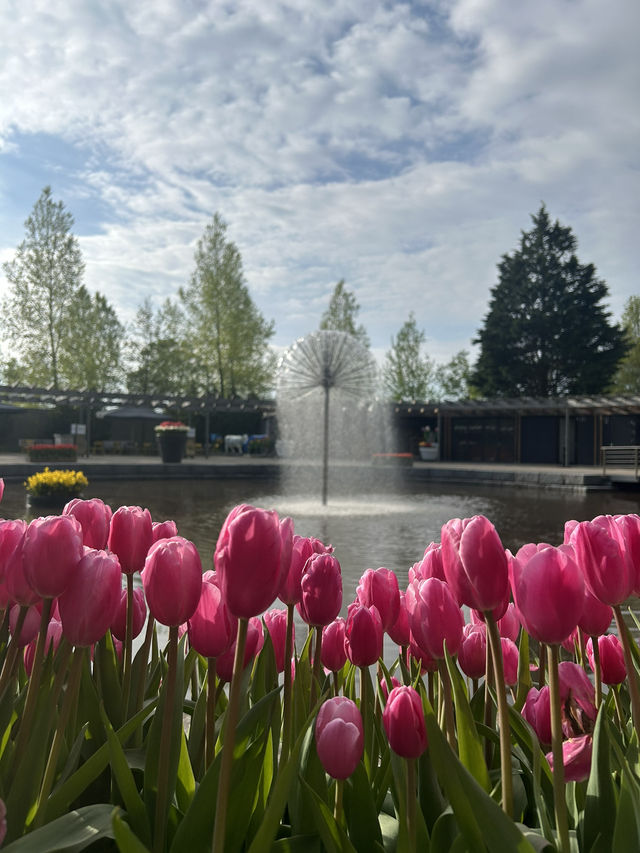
x=400, y=146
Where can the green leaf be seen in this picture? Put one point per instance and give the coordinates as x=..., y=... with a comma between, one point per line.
x=185, y=781
x=334, y=838
x=126, y=784
x=312, y=771
x=72, y=832
x=626, y=834
x=297, y=844
x=445, y=832
x=469, y=744
x=599, y=814
x=105, y=668
x=89, y=771
x=125, y=838
x=524, y=672
x=389, y=827
x=360, y=811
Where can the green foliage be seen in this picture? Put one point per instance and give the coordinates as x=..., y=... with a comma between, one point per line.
x=342, y=313
x=407, y=373
x=627, y=378
x=546, y=332
x=454, y=378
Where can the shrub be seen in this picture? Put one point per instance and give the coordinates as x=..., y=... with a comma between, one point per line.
x=53, y=453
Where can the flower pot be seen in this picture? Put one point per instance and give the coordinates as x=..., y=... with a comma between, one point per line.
x=429, y=453
x=57, y=501
x=172, y=444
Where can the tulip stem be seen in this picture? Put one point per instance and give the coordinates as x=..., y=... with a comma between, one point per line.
x=142, y=682
x=559, y=799
x=68, y=703
x=128, y=645
x=450, y=722
x=34, y=682
x=230, y=722
x=210, y=734
x=503, y=713
x=632, y=677
x=12, y=652
x=411, y=802
x=162, y=798
x=597, y=670
x=338, y=811
x=286, y=697
x=317, y=666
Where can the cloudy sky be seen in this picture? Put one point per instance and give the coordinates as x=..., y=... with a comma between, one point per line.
x=401, y=146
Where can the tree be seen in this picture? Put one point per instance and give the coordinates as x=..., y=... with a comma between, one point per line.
x=407, y=374
x=45, y=276
x=342, y=312
x=454, y=377
x=227, y=334
x=91, y=350
x=627, y=379
x=546, y=333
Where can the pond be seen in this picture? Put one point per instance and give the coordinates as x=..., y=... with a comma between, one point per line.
x=369, y=531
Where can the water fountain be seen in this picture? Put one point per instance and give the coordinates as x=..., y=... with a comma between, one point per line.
x=325, y=395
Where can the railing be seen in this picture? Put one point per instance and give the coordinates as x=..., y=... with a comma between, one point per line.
x=621, y=457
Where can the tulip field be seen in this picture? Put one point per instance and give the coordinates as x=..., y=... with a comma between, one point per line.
x=509, y=719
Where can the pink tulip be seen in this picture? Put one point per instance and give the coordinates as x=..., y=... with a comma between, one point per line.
x=607, y=572
x=51, y=551
x=403, y=721
x=576, y=758
x=400, y=630
x=475, y=564
x=510, y=659
x=384, y=687
x=89, y=603
x=630, y=526
x=302, y=548
x=15, y=584
x=94, y=517
x=596, y=616
x=1, y=494
x=379, y=588
x=426, y=661
x=339, y=736
x=363, y=635
x=248, y=560
x=276, y=622
x=253, y=647
x=549, y=593
x=576, y=693
x=472, y=654
x=509, y=624
x=430, y=566
x=537, y=712
x=130, y=537
x=30, y=626
x=172, y=580
x=612, y=665
x=436, y=619
x=163, y=530
x=332, y=651
x=119, y=624
x=212, y=628
x=321, y=586
x=54, y=635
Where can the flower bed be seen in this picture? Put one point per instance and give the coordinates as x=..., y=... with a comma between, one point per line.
x=295, y=746
x=396, y=459
x=52, y=453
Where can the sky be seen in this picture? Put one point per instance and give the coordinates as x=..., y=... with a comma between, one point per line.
x=400, y=146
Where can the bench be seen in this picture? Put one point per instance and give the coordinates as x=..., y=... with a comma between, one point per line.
x=621, y=456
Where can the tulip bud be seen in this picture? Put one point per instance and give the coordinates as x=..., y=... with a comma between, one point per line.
x=51, y=551
x=1, y=494
x=472, y=654
x=54, y=635
x=253, y=647
x=212, y=628
x=94, y=517
x=130, y=537
x=426, y=661
x=509, y=624
x=607, y=573
x=321, y=586
x=400, y=630
x=537, y=712
x=276, y=622
x=430, y=566
x=88, y=605
x=510, y=658
x=475, y=564
x=436, y=619
x=248, y=560
x=384, y=687
x=30, y=625
x=612, y=665
x=403, y=721
x=163, y=530
x=332, y=651
x=119, y=624
x=339, y=736
x=172, y=580
x=363, y=635
x=596, y=617
x=11, y=569
x=379, y=588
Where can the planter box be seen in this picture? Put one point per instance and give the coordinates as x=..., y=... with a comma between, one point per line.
x=429, y=454
x=52, y=453
x=172, y=444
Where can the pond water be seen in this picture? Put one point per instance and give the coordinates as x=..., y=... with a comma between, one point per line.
x=369, y=531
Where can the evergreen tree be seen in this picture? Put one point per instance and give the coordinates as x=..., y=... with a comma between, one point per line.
x=45, y=276
x=627, y=379
x=546, y=333
x=342, y=313
x=227, y=334
x=407, y=374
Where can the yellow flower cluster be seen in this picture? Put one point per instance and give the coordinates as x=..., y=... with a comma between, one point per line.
x=56, y=483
